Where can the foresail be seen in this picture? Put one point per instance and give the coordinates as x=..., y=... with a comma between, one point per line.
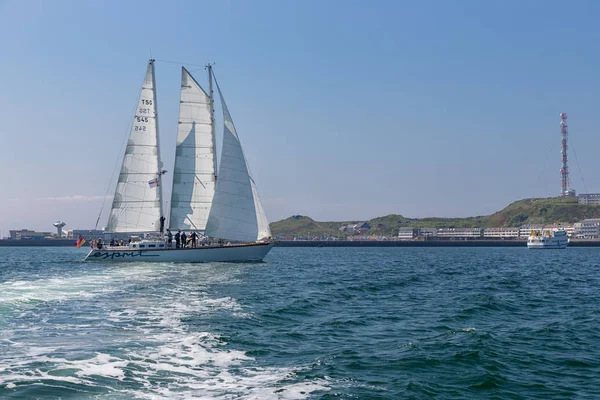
x=136, y=205
x=236, y=212
x=194, y=173
x=264, y=231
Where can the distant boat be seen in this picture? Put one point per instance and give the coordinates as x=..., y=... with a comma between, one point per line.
x=548, y=239
x=223, y=207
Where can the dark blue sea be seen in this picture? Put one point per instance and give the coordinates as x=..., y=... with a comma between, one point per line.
x=308, y=323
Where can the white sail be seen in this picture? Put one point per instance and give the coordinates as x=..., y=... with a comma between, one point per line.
x=236, y=213
x=264, y=231
x=195, y=161
x=137, y=202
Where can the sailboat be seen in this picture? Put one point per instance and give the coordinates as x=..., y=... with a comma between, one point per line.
x=220, y=203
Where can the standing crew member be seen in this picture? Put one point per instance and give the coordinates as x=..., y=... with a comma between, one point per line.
x=162, y=223
x=169, y=239
x=194, y=237
x=183, y=240
x=177, y=236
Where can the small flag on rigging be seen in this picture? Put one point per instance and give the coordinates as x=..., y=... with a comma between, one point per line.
x=80, y=242
x=153, y=182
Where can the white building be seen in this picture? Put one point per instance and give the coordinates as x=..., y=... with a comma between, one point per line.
x=426, y=232
x=589, y=198
x=460, y=233
x=587, y=229
x=501, y=233
x=406, y=233
x=27, y=234
x=525, y=230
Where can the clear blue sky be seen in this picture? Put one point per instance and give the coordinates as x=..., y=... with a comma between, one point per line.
x=346, y=109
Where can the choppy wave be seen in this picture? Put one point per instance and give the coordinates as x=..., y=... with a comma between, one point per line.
x=325, y=323
x=114, y=345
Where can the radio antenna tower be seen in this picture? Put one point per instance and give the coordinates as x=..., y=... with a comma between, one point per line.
x=565, y=190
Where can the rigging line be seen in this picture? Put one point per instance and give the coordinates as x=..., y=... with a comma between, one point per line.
x=121, y=153
x=195, y=227
x=195, y=175
x=545, y=163
x=178, y=63
x=223, y=109
x=578, y=167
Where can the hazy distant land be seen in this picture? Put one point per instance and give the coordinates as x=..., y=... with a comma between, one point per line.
x=522, y=212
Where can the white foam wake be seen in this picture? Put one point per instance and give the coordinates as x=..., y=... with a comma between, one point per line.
x=138, y=346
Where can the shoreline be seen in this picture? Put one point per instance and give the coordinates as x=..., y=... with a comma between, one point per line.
x=339, y=243
x=421, y=243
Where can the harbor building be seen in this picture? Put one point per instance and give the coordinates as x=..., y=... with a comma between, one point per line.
x=501, y=233
x=427, y=232
x=592, y=199
x=460, y=233
x=88, y=234
x=407, y=233
x=525, y=230
x=587, y=229
x=26, y=234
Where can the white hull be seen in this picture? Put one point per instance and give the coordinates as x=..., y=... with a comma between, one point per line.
x=556, y=239
x=238, y=253
x=547, y=245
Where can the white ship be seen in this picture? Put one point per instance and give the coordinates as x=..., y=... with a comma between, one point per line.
x=220, y=204
x=548, y=239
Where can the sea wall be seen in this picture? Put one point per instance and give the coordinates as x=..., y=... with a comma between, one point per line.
x=416, y=243
x=38, y=243
x=337, y=243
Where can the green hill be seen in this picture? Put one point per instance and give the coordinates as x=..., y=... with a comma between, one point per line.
x=527, y=211
x=542, y=211
x=299, y=225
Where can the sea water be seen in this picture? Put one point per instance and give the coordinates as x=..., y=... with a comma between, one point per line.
x=308, y=323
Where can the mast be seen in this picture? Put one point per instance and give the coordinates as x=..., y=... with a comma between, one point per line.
x=159, y=172
x=212, y=115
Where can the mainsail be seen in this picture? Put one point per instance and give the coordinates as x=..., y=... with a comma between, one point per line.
x=137, y=204
x=195, y=161
x=236, y=212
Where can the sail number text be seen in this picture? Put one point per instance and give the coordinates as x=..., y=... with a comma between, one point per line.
x=140, y=128
x=144, y=110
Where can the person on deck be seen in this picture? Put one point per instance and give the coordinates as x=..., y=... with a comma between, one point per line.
x=162, y=223
x=177, y=236
x=194, y=237
x=99, y=244
x=169, y=239
x=183, y=240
